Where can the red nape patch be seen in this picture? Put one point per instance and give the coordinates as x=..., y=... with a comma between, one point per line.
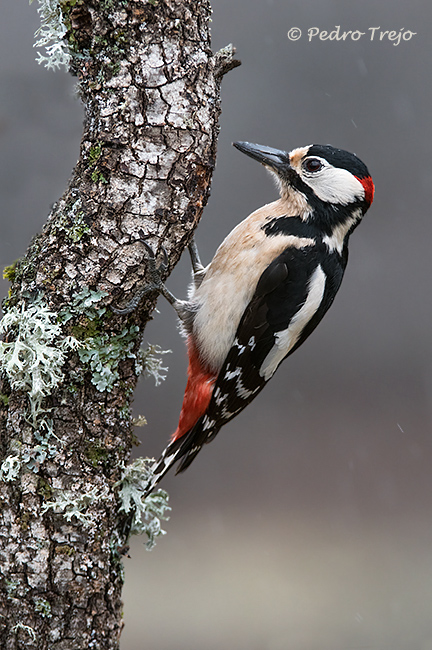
x=369, y=188
x=199, y=389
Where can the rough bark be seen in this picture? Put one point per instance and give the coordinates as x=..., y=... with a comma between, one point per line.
x=150, y=86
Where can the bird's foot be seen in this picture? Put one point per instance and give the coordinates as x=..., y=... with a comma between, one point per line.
x=154, y=283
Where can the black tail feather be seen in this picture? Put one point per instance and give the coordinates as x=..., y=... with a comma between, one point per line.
x=184, y=449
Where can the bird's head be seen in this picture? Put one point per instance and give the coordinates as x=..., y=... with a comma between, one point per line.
x=324, y=175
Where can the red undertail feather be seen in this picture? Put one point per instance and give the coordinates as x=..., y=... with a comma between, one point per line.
x=199, y=389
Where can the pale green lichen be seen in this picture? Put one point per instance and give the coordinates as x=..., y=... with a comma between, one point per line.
x=74, y=505
x=139, y=421
x=33, y=457
x=25, y=628
x=98, y=177
x=152, y=363
x=51, y=35
x=103, y=354
x=43, y=607
x=33, y=361
x=11, y=588
x=146, y=511
x=72, y=222
x=95, y=152
x=10, y=468
x=84, y=303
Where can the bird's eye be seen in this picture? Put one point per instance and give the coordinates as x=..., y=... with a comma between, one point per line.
x=312, y=164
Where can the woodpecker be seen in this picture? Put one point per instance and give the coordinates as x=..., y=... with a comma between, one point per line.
x=268, y=286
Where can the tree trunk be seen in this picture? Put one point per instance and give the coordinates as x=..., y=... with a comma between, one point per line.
x=150, y=85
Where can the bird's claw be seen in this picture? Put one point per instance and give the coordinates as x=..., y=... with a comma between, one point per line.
x=154, y=272
x=163, y=265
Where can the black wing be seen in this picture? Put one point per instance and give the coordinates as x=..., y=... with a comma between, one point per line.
x=280, y=294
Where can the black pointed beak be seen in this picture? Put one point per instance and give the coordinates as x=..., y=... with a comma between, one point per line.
x=274, y=158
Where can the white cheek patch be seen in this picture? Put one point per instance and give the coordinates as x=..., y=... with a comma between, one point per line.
x=335, y=185
x=286, y=339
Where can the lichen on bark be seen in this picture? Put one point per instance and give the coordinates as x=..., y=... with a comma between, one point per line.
x=150, y=85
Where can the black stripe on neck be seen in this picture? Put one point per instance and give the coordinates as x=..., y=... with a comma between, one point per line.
x=291, y=226
x=318, y=224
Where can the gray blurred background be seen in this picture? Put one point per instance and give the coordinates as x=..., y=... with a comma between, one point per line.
x=307, y=524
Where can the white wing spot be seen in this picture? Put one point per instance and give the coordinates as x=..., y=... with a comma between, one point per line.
x=244, y=392
x=207, y=424
x=233, y=373
x=218, y=397
x=241, y=348
x=194, y=449
x=228, y=414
